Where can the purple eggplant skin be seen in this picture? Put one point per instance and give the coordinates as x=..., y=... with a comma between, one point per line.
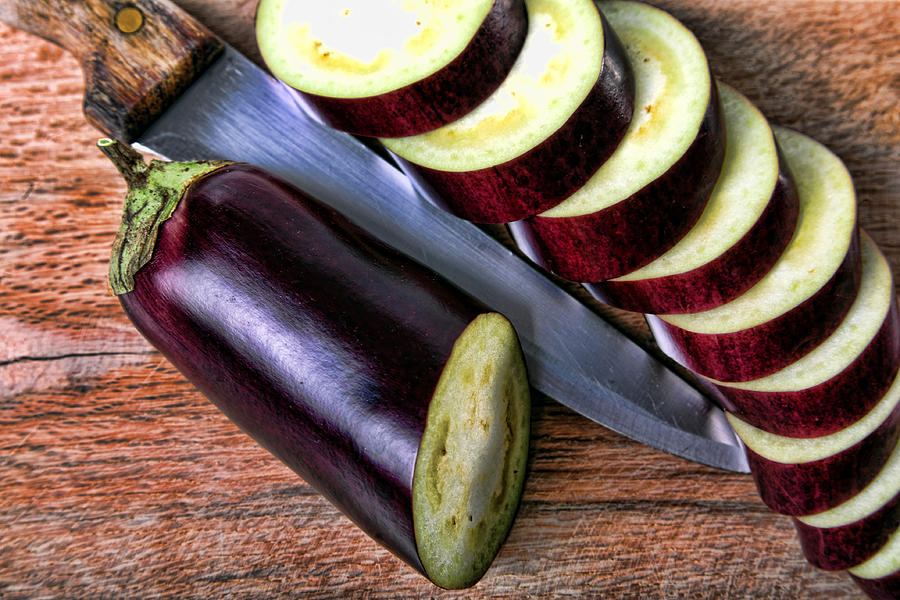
x=722, y=279
x=813, y=411
x=885, y=588
x=771, y=346
x=800, y=489
x=319, y=342
x=843, y=547
x=621, y=238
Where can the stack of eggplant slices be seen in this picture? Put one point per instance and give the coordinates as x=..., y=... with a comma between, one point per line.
x=598, y=134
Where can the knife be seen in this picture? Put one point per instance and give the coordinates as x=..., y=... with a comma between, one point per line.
x=158, y=79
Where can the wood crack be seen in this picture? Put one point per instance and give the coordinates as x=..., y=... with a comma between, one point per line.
x=22, y=359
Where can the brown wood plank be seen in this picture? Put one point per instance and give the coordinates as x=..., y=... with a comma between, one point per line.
x=118, y=479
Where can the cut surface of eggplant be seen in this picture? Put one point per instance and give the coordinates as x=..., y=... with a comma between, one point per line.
x=805, y=476
x=842, y=378
x=387, y=68
x=743, y=191
x=862, y=322
x=557, y=67
x=800, y=301
x=790, y=450
x=672, y=93
x=471, y=462
x=654, y=186
x=748, y=221
x=358, y=48
x=884, y=488
x=557, y=116
x=852, y=532
x=818, y=248
x=885, y=563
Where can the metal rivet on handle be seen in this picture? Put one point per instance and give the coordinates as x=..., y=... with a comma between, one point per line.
x=129, y=19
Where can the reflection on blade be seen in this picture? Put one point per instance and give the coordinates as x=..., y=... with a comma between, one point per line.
x=237, y=112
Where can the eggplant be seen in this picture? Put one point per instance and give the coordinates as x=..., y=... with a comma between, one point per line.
x=879, y=576
x=391, y=69
x=840, y=380
x=745, y=226
x=557, y=117
x=399, y=398
x=854, y=531
x=653, y=188
x=803, y=298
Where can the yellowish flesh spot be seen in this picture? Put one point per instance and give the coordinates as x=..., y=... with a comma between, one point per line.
x=558, y=66
x=471, y=465
x=672, y=90
x=358, y=48
x=826, y=224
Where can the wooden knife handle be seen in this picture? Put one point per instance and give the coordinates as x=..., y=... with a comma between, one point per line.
x=137, y=55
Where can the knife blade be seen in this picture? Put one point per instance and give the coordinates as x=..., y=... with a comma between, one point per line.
x=208, y=101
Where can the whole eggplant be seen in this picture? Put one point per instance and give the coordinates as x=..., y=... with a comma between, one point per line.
x=336, y=353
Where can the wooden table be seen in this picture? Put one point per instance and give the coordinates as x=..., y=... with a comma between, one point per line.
x=119, y=480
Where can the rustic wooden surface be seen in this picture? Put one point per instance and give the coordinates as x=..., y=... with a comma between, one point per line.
x=129, y=79
x=119, y=480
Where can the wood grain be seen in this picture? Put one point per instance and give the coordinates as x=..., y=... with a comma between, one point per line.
x=119, y=480
x=133, y=68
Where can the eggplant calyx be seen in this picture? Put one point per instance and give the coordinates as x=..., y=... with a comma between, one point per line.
x=154, y=191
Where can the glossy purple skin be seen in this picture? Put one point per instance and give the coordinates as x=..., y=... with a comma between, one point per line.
x=808, y=488
x=443, y=96
x=629, y=234
x=321, y=343
x=839, y=548
x=722, y=279
x=548, y=173
x=833, y=404
x=885, y=588
x=771, y=346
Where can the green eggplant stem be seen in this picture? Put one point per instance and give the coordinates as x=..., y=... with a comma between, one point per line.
x=127, y=160
x=154, y=191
